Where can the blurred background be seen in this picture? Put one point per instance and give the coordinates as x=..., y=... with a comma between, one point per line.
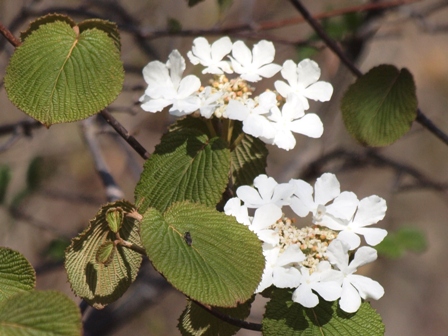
x=54, y=188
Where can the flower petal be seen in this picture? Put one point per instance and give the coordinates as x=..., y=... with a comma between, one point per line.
x=310, y=125
x=367, y=288
x=326, y=188
x=351, y=238
x=308, y=72
x=373, y=236
x=265, y=216
x=328, y=290
x=343, y=206
x=304, y=295
x=321, y=91
x=286, y=277
x=350, y=300
x=370, y=210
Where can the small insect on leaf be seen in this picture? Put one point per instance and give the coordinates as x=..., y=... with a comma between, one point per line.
x=188, y=239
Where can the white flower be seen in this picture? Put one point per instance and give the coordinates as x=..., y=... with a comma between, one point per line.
x=303, y=82
x=326, y=189
x=325, y=281
x=267, y=191
x=211, y=56
x=256, y=64
x=234, y=208
x=279, y=269
x=253, y=116
x=165, y=87
x=208, y=101
x=292, y=118
x=354, y=287
x=264, y=217
x=369, y=211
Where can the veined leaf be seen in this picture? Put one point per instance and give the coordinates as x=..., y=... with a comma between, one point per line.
x=188, y=164
x=196, y=321
x=287, y=318
x=16, y=274
x=380, y=106
x=248, y=158
x=39, y=313
x=64, y=72
x=220, y=263
x=103, y=281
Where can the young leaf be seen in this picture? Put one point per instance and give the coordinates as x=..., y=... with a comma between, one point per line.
x=64, y=73
x=380, y=106
x=196, y=321
x=287, y=318
x=114, y=218
x=16, y=274
x=248, y=159
x=188, y=164
x=222, y=263
x=39, y=313
x=102, y=282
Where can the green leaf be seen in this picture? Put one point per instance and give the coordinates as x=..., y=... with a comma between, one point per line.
x=37, y=171
x=174, y=26
x=39, y=313
x=380, y=106
x=5, y=177
x=56, y=249
x=100, y=283
x=196, y=321
x=114, y=218
x=248, y=159
x=188, y=164
x=205, y=254
x=395, y=244
x=64, y=73
x=287, y=318
x=16, y=274
x=106, y=253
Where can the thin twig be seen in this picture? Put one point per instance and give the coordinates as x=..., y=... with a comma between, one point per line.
x=421, y=118
x=231, y=320
x=125, y=134
x=9, y=36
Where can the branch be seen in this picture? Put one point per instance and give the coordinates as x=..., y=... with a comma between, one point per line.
x=229, y=319
x=125, y=134
x=9, y=36
x=421, y=118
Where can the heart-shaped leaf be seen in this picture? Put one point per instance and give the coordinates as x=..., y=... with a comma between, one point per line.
x=97, y=270
x=380, y=106
x=16, y=273
x=205, y=254
x=188, y=164
x=63, y=72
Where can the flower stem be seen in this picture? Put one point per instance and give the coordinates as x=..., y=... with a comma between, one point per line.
x=237, y=141
x=211, y=128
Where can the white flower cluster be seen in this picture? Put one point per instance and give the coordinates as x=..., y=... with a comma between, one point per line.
x=268, y=117
x=313, y=259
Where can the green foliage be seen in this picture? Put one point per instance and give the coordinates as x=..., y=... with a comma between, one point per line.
x=287, y=318
x=196, y=321
x=16, y=274
x=56, y=249
x=248, y=159
x=380, y=106
x=114, y=218
x=192, y=241
x=174, y=26
x=63, y=72
x=24, y=311
x=39, y=313
x=103, y=281
x=5, y=177
x=395, y=244
x=188, y=164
